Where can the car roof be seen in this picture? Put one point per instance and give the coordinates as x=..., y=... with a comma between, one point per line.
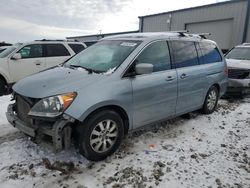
x=53, y=42
x=158, y=35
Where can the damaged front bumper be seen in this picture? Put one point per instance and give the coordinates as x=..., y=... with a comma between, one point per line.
x=60, y=131
x=238, y=86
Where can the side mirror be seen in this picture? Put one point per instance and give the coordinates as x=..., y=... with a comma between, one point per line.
x=16, y=56
x=144, y=68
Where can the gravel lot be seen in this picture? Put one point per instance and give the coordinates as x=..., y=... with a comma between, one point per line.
x=199, y=151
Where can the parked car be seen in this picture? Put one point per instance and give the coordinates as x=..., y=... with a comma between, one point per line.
x=238, y=62
x=21, y=60
x=116, y=85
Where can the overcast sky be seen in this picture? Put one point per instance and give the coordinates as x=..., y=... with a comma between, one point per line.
x=25, y=20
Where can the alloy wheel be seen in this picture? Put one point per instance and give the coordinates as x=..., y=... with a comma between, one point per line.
x=104, y=136
x=211, y=100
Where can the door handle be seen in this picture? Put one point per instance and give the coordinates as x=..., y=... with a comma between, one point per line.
x=169, y=78
x=183, y=76
x=38, y=63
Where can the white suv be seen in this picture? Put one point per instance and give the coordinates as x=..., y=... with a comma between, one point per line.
x=21, y=60
x=238, y=62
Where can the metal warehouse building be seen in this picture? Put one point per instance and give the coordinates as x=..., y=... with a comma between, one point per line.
x=228, y=22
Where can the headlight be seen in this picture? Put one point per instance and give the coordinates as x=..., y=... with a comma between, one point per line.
x=52, y=106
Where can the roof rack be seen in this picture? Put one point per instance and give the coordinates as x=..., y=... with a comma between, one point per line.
x=181, y=32
x=50, y=40
x=202, y=35
x=59, y=40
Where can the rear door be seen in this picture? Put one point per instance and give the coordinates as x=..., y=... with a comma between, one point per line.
x=191, y=76
x=31, y=62
x=213, y=65
x=55, y=54
x=154, y=95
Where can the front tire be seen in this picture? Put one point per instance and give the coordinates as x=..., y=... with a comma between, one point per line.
x=101, y=135
x=211, y=101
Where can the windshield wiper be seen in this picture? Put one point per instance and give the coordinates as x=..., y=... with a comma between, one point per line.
x=90, y=71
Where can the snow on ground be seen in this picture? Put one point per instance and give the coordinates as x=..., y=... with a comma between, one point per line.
x=203, y=151
x=5, y=127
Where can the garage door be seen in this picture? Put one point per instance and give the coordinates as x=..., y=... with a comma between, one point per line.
x=221, y=31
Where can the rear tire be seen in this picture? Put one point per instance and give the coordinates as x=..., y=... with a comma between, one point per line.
x=101, y=135
x=211, y=101
x=2, y=87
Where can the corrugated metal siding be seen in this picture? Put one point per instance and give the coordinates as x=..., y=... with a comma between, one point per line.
x=221, y=31
x=156, y=23
x=248, y=31
x=235, y=11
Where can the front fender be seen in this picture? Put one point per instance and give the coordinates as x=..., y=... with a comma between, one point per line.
x=103, y=104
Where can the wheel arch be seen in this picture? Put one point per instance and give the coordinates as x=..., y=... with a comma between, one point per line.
x=217, y=86
x=118, y=109
x=3, y=78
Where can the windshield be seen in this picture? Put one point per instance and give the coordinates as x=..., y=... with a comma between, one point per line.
x=2, y=49
x=104, y=56
x=240, y=53
x=7, y=51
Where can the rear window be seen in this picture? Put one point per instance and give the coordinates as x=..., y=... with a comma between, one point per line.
x=185, y=53
x=210, y=53
x=53, y=50
x=77, y=47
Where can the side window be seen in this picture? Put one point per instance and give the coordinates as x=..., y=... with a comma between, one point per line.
x=53, y=50
x=185, y=53
x=77, y=47
x=156, y=54
x=210, y=53
x=31, y=51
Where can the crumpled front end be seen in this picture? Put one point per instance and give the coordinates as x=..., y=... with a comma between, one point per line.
x=238, y=81
x=57, y=130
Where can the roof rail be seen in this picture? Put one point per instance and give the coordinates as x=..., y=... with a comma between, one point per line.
x=181, y=32
x=51, y=40
x=246, y=44
x=59, y=40
x=72, y=40
x=202, y=35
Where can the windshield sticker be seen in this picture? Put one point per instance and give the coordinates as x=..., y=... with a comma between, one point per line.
x=129, y=44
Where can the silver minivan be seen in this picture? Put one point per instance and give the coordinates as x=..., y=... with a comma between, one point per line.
x=119, y=84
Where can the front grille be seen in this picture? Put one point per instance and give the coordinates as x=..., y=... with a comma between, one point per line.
x=238, y=73
x=22, y=109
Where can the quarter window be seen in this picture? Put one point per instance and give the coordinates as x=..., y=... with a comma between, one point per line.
x=156, y=54
x=53, y=50
x=210, y=53
x=77, y=47
x=31, y=51
x=185, y=53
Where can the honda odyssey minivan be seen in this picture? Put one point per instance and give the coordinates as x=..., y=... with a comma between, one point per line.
x=119, y=84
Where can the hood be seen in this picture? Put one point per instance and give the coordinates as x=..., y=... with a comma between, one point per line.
x=235, y=63
x=55, y=81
